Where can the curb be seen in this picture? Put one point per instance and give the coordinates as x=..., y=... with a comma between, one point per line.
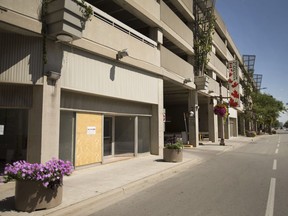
x=107, y=198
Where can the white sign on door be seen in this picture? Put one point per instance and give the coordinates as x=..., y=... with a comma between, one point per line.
x=91, y=130
x=1, y=129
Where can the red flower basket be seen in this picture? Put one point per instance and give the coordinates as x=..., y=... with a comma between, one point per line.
x=221, y=110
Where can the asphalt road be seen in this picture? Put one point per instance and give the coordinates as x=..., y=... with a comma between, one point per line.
x=249, y=181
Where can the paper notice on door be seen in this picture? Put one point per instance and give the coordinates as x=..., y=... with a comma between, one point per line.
x=1, y=129
x=91, y=130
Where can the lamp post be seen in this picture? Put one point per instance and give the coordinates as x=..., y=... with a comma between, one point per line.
x=220, y=97
x=222, y=135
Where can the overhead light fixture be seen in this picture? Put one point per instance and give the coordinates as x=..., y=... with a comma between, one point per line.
x=53, y=75
x=64, y=37
x=187, y=80
x=122, y=53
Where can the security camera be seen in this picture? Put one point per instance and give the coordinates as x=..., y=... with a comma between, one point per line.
x=122, y=53
x=187, y=80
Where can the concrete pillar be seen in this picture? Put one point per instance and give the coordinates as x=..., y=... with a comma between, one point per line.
x=44, y=116
x=193, y=120
x=241, y=124
x=136, y=122
x=156, y=34
x=34, y=139
x=227, y=128
x=212, y=121
x=157, y=123
x=44, y=123
x=221, y=125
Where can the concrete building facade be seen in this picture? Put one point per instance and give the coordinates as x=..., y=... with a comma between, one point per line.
x=117, y=85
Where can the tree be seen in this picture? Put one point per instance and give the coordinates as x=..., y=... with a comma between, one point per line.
x=266, y=109
x=205, y=20
x=276, y=124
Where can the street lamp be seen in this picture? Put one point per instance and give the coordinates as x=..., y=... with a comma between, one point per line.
x=222, y=134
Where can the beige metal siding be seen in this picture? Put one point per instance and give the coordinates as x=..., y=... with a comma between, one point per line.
x=95, y=103
x=91, y=74
x=21, y=59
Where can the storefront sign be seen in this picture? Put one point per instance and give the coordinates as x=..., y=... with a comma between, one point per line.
x=233, y=83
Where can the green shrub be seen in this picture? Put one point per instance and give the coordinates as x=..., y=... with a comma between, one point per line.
x=251, y=133
x=177, y=145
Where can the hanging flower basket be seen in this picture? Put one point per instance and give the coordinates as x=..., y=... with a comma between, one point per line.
x=221, y=110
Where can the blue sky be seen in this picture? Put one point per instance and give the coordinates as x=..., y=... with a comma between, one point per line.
x=260, y=27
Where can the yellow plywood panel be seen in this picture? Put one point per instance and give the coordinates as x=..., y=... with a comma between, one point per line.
x=88, y=139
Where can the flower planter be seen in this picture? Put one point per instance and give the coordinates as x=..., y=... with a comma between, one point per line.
x=201, y=82
x=221, y=110
x=64, y=17
x=172, y=155
x=32, y=195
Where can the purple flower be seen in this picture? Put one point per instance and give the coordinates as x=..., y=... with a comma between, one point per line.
x=221, y=110
x=51, y=174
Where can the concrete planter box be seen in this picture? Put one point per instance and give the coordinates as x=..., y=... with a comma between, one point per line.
x=32, y=195
x=64, y=17
x=172, y=155
x=201, y=82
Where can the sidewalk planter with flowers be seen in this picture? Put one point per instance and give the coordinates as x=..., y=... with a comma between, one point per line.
x=221, y=110
x=38, y=186
x=173, y=152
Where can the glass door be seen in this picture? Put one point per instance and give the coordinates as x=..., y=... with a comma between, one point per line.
x=108, y=136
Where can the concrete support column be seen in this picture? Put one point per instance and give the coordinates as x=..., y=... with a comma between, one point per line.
x=236, y=127
x=227, y=128
x=241, y=124
x=193, y=121
x=221, y=125
x=156, y=34
x=136, y=136
x=44, y=122
x=212, y=121
x=157, y=123
x=34, y=139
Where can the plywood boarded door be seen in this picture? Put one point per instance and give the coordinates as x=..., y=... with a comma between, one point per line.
x=88, y=148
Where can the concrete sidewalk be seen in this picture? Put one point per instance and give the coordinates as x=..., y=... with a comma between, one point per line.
x=103, y=183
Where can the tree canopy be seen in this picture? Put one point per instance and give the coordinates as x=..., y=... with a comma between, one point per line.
x=266, y=108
